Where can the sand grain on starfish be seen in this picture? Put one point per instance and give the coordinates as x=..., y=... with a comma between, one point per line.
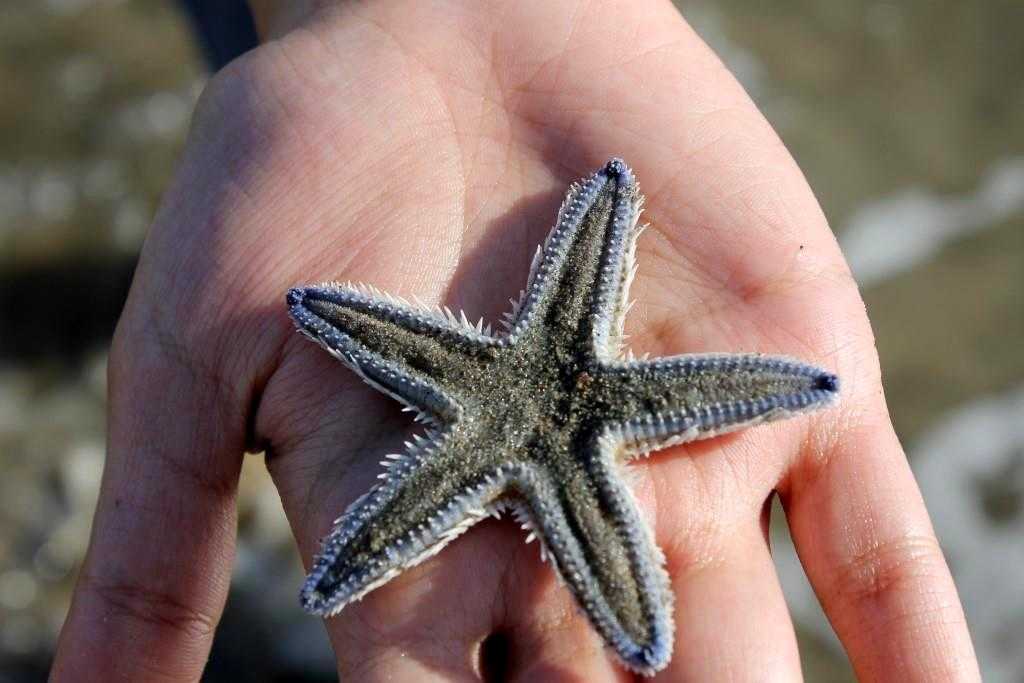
x=538, y=419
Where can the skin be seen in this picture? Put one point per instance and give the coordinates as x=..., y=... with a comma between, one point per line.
x=423, y=147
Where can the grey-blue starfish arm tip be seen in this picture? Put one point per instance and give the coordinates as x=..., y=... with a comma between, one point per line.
x=537, y=419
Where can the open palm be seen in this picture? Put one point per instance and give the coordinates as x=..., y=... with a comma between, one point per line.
x=424, y=148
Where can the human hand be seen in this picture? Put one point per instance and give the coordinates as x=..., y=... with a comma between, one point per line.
x=424, y=148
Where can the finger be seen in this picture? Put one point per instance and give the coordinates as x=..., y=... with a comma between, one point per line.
x=731, y=617
x=549, y=636
x=730, y=614
x=863, y=535
x=156, y=575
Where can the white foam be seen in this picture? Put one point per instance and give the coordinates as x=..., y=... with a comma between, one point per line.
x=890, y=236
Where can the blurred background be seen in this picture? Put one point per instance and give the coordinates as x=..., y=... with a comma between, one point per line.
x=907, y=118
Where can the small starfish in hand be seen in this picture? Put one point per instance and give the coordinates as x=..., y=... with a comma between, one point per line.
x=539, y=420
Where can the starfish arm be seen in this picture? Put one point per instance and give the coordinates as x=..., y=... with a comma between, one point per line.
x=427, y=497
x=672, y=400
x=579, y=279
x=603, y=551
x=415, y=355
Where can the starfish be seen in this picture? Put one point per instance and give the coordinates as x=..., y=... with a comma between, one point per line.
x=538, y=420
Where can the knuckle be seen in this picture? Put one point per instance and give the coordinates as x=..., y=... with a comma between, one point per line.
x=199, y=475
x=897, y=567
x=150, y=606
